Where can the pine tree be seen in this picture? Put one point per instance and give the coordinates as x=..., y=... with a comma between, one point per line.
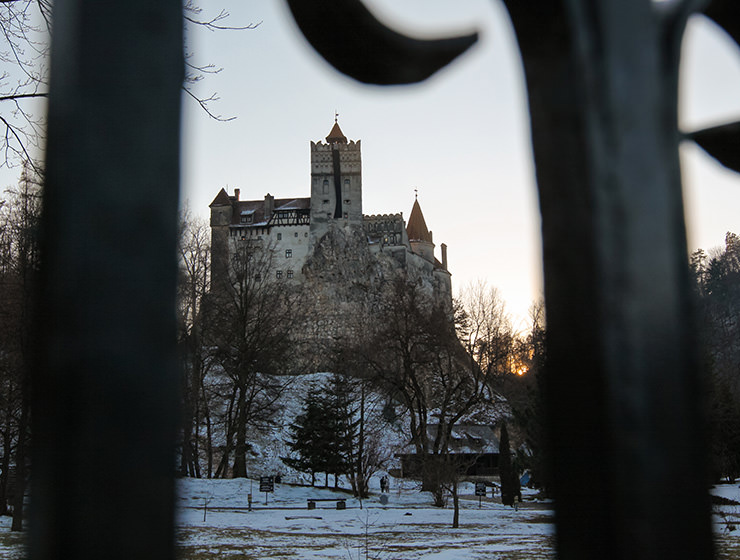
x=323, y=435
x=340, y=425
x=309, y=435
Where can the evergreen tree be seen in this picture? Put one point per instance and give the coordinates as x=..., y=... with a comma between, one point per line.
x=717, y=280
x=323, y=435
x=309, y=438
x=341, y=427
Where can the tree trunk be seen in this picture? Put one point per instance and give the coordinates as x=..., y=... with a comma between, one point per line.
x=456, y=505
x=209, y=433
x=240, y=444
x=5, y=467
x=362, y=490
x=20, y=457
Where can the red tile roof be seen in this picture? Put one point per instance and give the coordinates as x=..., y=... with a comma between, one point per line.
x=416, y=228
x=336, y=135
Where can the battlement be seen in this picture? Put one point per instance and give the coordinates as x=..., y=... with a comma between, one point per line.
x=320, y=146
x=382, y=217
x=322, y=158
x=381, y=224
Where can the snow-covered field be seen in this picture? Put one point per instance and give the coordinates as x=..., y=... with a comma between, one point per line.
x=214, y=522
x=407, y=527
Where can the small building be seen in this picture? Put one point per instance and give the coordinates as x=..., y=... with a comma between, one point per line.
x=474, y=448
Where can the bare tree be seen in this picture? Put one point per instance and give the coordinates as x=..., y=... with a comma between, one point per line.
x=486, y=330
x=25, y=26
x=253, y=315
x=19, y=266
x=194, y=284
x=196, y=18
x=426, y=369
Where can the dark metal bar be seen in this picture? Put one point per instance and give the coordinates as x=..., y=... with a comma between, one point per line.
x=105, y=393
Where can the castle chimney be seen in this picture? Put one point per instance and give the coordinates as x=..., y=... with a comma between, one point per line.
x=269, y=206
x=236, y=194
x=444, y=255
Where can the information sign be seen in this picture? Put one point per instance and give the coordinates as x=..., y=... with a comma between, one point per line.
x=267, y=484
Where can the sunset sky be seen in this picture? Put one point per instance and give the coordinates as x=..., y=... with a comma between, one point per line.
x=461, y=139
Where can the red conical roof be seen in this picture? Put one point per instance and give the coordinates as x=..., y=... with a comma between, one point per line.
x=417, y=226
x=336, y=135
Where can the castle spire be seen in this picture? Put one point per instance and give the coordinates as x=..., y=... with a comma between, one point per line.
x=336, y=135
x=417, y=226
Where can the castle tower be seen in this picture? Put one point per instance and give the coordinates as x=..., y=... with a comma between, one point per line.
x=420, y=238
x=336, y=184
x=222, y=211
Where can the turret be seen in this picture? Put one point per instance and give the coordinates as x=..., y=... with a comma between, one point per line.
x=336, y=184
x=420, y=238
x=222, y=212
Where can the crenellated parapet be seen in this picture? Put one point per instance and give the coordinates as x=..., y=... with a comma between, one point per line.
x=350, y=157
x=383, y=223
x=386, y=229
x=382, y=217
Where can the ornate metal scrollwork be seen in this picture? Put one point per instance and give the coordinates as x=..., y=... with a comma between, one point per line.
x=352, y=40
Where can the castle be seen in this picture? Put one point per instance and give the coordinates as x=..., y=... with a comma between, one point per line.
x=326, y=237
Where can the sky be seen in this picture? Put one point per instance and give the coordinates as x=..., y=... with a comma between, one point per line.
x=461, y=138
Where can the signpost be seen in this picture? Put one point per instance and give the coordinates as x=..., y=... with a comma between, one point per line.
x=480, y=491
x=267, y=485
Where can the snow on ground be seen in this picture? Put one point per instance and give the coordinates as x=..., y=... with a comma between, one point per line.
x=407, y=527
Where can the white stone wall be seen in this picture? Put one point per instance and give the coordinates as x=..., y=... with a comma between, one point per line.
x=291, y=250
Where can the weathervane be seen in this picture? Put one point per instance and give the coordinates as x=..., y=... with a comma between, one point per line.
x=416, y=193
x=336, y=116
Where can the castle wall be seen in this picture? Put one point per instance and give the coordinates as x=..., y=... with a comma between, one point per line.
x=290, y=246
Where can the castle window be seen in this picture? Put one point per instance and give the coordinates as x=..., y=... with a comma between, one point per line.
x=346, y=215
x=346, y=185
x=325, y=187
x=288, y=253
x=296, y=234
x=347, y=201
x=305, y=234
x=279, y=274
x=290, y=274
x=279, y=236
